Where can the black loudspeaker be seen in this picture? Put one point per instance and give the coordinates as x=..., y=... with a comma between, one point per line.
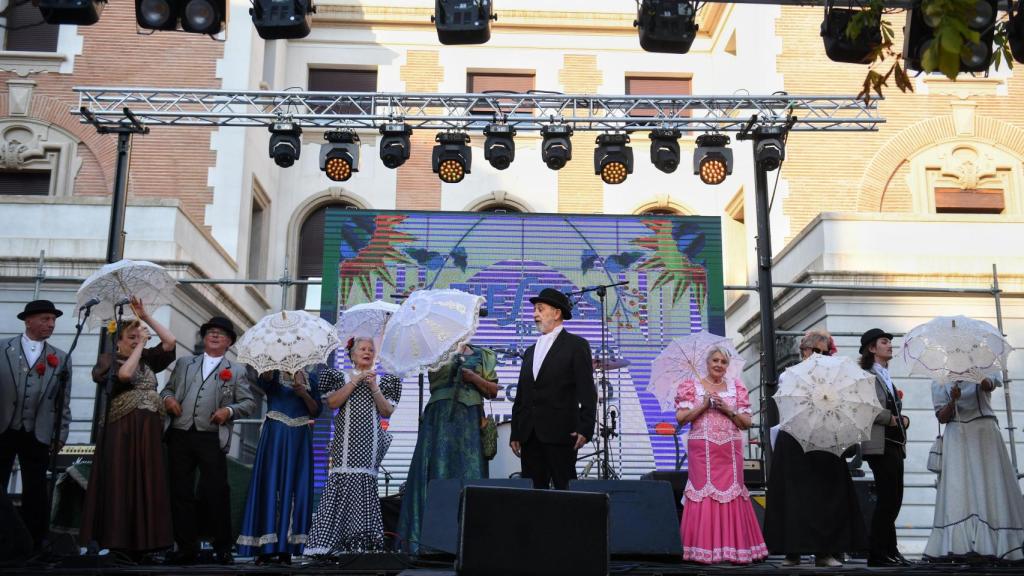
x=866, y=498
x=642, y=517
x=440, y=531
x=539, y=532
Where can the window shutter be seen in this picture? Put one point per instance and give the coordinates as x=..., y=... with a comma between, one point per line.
x=26, y=31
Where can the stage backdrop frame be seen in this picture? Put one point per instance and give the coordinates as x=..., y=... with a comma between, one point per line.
x=673, y=265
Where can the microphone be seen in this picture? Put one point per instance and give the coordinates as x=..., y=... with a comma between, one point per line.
x=89, y=304
x=124, y=301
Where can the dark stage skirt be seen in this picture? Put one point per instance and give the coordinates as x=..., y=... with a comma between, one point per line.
x=812, y=505
x=127, y=503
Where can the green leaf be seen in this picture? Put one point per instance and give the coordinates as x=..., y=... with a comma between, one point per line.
x=930, y=58
x=949, y=64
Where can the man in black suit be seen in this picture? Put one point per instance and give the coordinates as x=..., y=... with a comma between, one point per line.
x=885, y=451
x=556, y=402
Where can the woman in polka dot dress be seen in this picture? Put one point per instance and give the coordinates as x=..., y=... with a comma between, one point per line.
x=348, y=519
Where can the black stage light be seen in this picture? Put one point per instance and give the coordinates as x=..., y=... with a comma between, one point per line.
x=339, y=156
x=613, y=158
x=156, y=14
x=395, y=145
x=463, y=21
x=712, y=160
x=452, y=157
x=1015, y=33
x=499, y=147
x=80, y=12
x=556, y=149
x=841, y=48
x=202, y=16
x=282, y=19
x=665, y=149
x=919, y=36
x=196, y=16
x=667, y=25
x=770, y=152
x=285, y=143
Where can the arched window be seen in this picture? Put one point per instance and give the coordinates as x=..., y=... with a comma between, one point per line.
x=498, y=207
x=310, y=264
x=660, y=212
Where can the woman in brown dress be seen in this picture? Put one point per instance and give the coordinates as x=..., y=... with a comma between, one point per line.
x=127, y=506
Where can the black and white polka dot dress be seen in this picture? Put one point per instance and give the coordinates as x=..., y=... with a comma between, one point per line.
x=348, y=519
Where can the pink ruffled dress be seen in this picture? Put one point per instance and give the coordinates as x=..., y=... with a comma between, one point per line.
x=718, y=523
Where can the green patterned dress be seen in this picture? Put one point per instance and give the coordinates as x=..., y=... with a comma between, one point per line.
x=448, y=445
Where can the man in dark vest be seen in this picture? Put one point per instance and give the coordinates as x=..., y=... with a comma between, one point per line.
x=556, y=402
x=28, y=379
x=203, y=396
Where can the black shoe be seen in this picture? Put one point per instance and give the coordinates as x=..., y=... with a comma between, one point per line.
x=284, y=558
x=225, y=558
x=264, y=559
x=886, y=562
x=182, y=558
x=899, y=559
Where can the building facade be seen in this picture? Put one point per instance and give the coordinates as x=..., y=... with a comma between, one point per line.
x=934, y=198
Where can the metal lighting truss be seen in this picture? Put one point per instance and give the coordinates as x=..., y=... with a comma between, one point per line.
x=108, y=107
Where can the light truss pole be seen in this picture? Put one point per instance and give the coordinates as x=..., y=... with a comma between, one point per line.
x=756, y=118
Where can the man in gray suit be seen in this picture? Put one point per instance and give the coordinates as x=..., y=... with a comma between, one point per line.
x=203, y=396
x=28, y=381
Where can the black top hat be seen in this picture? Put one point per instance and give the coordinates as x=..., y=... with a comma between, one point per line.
x=555, y=298
x=868, y=338
x=219, y=322
x=39, y=307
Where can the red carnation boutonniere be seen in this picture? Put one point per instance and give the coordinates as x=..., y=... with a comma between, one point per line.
x=52, y=360
x=225, y=374
x=40, y=368
x=899, y=393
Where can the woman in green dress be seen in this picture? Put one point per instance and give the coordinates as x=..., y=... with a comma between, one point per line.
x=449, y=434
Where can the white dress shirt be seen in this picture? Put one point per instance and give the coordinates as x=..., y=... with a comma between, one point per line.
x=884, y=373
x=33, y=349
x=540, y=351
x=210, y=364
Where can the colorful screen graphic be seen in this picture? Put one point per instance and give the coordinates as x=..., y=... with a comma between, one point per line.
x=672, y=266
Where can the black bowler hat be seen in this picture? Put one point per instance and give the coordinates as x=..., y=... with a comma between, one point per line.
x=868, y=338
x=39, y=307
x=555, y=298
x=219, y=322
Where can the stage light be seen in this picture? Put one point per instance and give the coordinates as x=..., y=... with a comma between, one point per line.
x=285, y=143
x=613, y=158
x=197, y=16
x=452, y=158
x=841, y=48
x=712, y=160
x=80, y=12
x=499, y=147
x=556, y=149
x=919, y=37
x=395, y=145
x=769, y=153
x=666, y=25
x=665, y=149
x=463, y=21
x=339, y=157
x=282, y=19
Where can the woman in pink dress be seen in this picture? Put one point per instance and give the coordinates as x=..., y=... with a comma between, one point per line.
x=718, y=520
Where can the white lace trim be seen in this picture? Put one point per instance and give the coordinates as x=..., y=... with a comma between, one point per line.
x=347, y=470
x=288, y=420
x=725, y=554
x=269, y=539
x=736, y=487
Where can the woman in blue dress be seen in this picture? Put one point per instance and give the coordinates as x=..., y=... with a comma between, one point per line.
x=279, y=508
x=448, y=445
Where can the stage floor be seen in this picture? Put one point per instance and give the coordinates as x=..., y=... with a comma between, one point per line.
x=387, y=565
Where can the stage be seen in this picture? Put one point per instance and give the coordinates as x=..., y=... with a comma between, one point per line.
x=391, y=564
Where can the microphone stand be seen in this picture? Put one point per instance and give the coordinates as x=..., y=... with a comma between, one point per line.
x=607, y=432
x=58, y=396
